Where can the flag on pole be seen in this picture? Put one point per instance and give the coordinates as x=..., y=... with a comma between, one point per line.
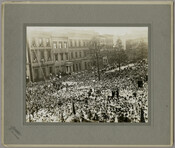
x=73, y=108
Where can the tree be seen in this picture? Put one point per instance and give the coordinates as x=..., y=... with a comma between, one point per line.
x=121, y=56
x=131, y=50
x=95, y=46
x=136, y=50
x=142, y=50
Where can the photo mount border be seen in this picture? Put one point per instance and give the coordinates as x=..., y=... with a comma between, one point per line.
x=45, y=145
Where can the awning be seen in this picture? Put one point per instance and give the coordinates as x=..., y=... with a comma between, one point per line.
x=69, y=63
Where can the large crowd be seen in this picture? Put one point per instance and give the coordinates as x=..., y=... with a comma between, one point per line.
x=119, y=96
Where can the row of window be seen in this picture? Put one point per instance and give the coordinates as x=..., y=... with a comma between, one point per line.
x=46, y=71
x=39, y=55
x=72, y=43
x=41, y=43
x=73, y=55
x=78, y=54
x=76, y=67
x=79, y=43
x=66, y=57
x=59, y=45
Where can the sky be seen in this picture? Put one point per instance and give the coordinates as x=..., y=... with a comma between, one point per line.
x=116, y=31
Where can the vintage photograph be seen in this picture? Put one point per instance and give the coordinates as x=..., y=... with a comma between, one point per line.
x=86, y=74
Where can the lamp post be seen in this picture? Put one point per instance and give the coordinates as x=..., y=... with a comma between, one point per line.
x=97, y=50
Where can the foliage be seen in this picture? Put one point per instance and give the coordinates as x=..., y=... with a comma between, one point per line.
x=120, y=55
x=137, y=50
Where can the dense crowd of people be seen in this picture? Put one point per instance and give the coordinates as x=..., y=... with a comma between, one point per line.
x=119, y=96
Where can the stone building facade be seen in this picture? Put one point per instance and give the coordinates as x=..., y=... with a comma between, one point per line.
x=47, y=54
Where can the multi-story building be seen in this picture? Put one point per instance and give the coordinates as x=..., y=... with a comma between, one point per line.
x=47, y=54
x=40, y=56
x=60, y=54
x=79, y=51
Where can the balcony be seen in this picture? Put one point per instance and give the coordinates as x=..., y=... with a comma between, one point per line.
x=50, y=62
x=42, y=62
x=68, y=63
x=78, y=48
x=40, y=47
x=36, y=64
x=58, y=50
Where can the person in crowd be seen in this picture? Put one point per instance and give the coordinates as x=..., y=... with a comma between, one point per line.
x=116, y=98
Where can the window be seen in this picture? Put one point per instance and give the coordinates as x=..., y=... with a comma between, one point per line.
x=36, y=74
x=88, y=64
x=62, y=68
x=50, y=69
x=57, y=69
x=33, y=43
x=56, y=57
x=42, y=55
x=34, y=58
x=44, y=71
x=72, y=55
x=54, y=45
x=84, y=43
x=66, y=56
x=49, y=55
x=47, y=43
x=87, y=43
x=79, y=43
x=75, y=43
x=80, y=66
x=60, y=44
x=67, y=68
x=80, y=54
x=70, y=43
x=77, y=67
x=65, y=44
x=84, y=53
x=76, y=55
x=40, y=43
x=85, y=65
x=73, y=67
x=61, y=54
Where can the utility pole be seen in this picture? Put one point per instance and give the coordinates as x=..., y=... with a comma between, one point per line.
x=98, y=66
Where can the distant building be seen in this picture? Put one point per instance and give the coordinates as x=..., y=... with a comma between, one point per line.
x=132, y=47
x=106, y=40
x=134, y=43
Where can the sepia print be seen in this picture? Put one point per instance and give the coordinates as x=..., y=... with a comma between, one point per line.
x=87, y=74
